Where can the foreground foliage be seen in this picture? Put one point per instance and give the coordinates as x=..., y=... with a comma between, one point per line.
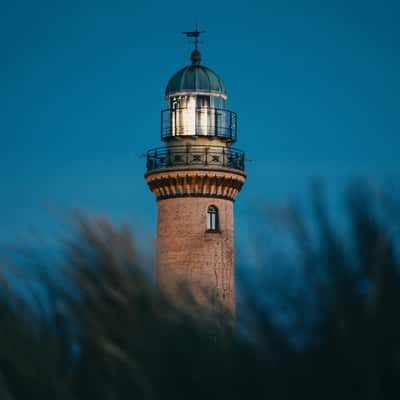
x=105, y=332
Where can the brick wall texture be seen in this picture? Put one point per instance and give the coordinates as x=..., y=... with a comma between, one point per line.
x=187, y=252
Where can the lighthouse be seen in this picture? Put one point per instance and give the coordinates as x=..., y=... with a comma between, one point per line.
x=195, y=178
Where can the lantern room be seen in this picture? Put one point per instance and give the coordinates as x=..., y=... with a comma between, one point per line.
x=196, y=105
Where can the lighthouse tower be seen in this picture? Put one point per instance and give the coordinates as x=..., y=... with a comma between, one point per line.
x=195, y=178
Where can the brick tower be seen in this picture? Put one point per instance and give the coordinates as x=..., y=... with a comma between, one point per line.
x=196, y=178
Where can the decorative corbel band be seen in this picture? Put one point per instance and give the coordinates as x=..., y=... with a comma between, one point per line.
x=170, y=183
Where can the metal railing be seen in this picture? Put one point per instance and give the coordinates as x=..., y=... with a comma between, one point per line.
x=203, y=121
x=195, y=155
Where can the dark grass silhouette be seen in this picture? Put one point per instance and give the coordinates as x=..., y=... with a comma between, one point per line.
x=106, y=332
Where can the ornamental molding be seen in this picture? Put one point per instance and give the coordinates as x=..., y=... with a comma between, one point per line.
x=172, y=183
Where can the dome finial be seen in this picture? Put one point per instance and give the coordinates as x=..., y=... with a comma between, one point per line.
x=196, y=55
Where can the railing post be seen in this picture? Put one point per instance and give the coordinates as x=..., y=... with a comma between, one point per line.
x=162, y=125
x=187, y=154
x=231, y=126
x=206, y=156
x=235, y=126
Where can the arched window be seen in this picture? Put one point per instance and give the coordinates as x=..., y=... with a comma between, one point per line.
x=212, y=219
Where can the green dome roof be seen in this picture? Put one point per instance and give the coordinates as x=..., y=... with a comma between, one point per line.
x=195, y=78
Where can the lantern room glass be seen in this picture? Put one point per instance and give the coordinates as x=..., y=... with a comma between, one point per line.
x=200, y=115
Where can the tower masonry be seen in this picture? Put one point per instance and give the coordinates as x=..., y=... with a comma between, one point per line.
x=195, y=178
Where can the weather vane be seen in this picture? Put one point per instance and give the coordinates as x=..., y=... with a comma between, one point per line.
x=194, y=34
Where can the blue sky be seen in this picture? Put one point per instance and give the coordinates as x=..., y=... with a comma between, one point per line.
x=315, y=84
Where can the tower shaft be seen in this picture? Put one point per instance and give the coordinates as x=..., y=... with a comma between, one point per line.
x=193, y=249
x=188, y=253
